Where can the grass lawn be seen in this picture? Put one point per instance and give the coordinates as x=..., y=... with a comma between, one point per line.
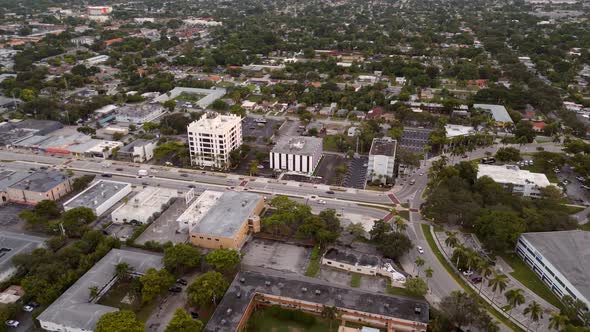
x=585, y=227
x=263, y=321
x=400, y=291
x=573, y=209
x=530, y=280
x=355, y=280
x=551, y=176
x=404, y=214
x=189, y=97
x=313, y=269
x=461, y=282
x=330, y=143
x=114, y=296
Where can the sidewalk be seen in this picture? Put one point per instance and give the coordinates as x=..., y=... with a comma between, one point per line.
x=499, y=300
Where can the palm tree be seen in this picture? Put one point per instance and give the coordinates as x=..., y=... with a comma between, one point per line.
x=329, y=313
x=557, y=321
x=515, y=298
x=485, y=270
x=451, y=240
x=498, y=281
x=459, y=251
x=93, y=292
x=534, y=311
x=419, y=263
x=400, y=225
x=428, y=272
x=492, y=326
x=122, y=270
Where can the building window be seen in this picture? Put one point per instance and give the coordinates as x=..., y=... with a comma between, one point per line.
x=217, y=240
x=201, y=237
x=209, y=238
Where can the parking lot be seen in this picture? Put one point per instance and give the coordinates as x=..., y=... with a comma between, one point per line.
x=327, y=169
x=9, y=219
x=276, y=255
x=260, y=131
x=165, y=228
x=356, y=177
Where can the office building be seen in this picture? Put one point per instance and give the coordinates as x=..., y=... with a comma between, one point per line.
x=310, y=295
x=212, y=138
x=12, y=244
x=138, y=151
x=145, y=206
x=300, y=154
x=39, y=186
x=382, y=160
x=561, y=260
x=100, y=196
x=515, y=180
x=75, y=311
x=222, y=219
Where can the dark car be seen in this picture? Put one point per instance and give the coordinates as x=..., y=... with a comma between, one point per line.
x=175, y=289
x=476, y=280
x=184, y=175
x=118, y=169
x=191, y=186
x=330, y=192
x=182, y=282
x=106, y=175
x=194, y=314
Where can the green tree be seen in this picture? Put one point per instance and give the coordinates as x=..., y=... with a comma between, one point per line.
x=183, y=322
x=169, y=105
x=154, y=282
x=416, y=286
x=356, y=229
x=534, y=311
x=181, y=256
x=419, y=263
x=93, y=292
x=557, y=321
x=499, y=230
x=515, y=298
x=498, y=282
x=452, y=240
x=119, y=321
x=207, y=289
x=80, y=183
x=524, y=131
x=223, y=259
x=123, y=271
x=462, y=309
x=75, y=221
x=394, y=245
x=150, y=126
x=253, y=167
x=508, y=154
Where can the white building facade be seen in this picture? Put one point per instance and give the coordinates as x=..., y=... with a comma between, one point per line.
x=297, y=154
x=100, y=197
x=145, y=206
x=212, y=138
x=382, y=159
x=519, y=182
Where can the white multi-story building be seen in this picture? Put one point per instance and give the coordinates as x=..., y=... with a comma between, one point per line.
x=212, y=138
x=381, y=159
x=296, y=154
x=561, y=260
x=517, y=181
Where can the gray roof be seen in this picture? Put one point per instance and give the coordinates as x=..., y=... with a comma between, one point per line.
x=383, y=146
x=12, y=244
x=96, y=195
x=499, y=112
x=568, y=252
x=231, y=309
x=140, y=142
x=41, y=181
x=351, y=257
x=72, y=308
x=228, y=214
x=10, y=177
x=301, y=145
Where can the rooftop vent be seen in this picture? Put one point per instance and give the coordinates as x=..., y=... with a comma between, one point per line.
x=239, y=295
x=228, y=311
x=281, y=285
x=267, y=283
x=242, y=280
x=318, y=292
x=303, y=289
x=223, y=322
x=417, y=310
x=102, y=185
x=386, y=305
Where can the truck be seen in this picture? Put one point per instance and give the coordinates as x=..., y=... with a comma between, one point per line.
x=142, y=172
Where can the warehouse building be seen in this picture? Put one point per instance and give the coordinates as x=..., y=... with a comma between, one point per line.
x=561, y=260
x=382, y=160
x=100, y=197
x=73, y=311
x=222, y=219
x=39, y=186
x=300, y=154
x=12, y=244
x=9, y=177
x=515, y=180
x=145, y=206
x=310, y=295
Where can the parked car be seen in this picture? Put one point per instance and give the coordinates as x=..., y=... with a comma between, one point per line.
x=12, y=323
x=175, y=289
x=412, y=182
x=468, y=273
x=194, y=314
x=106, y=175
x=119, y=169
x=191, y=186
x=476, y=280
x=182, y=282
x=420, y=250
x=184, y=175
x=330, y=192
x=580, y=178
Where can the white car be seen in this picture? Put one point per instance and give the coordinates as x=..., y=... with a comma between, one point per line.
x=12, y=323
x=420, y=250
x=28, y=308
x=467, y=273
x=321, y=201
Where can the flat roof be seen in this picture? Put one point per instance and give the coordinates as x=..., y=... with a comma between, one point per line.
x=41, y=181
x=138, y=142
x=72, y=308
x=351, y=257
x=383, y=146
x=212, y=122
x=96, y=195
x=453, y=130
x=512, y=174
x=499, y=112
x=568, y=252
x=231, y=308
x=227, y=214
x=12, y=244
x=139, y=110
x=301, y=145
x=146, y=202
x=9, y=177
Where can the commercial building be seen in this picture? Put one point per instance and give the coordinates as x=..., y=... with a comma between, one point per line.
x=39, y=186
x=139, y=114
x=15, y=131
x=208, y=96
x=100, y=196
x=498, y=113
x=138, y=151
x=515, y=180
x=415, y=139
x=12, y=244
x=93, y=61
x=300, y=154
x=75, y=311
x=212, y=138
x=99, y=10
x=145, y=206
x=8, y=177
x=352, y=261
x=561, y=260
x=222, y=219
x=265, y=288
x=453, y=131
x=382, y=159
